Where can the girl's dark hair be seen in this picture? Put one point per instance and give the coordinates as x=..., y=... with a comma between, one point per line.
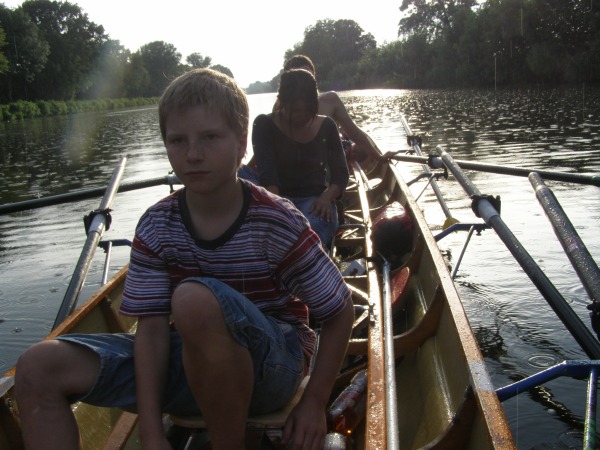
x=298, y=84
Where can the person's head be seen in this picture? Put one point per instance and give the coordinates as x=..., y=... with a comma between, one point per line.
x=213, y=90
x=300, y=62
x=298, y=96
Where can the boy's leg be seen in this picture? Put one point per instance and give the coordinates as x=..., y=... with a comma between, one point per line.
x=47, y=375
x=219, y=370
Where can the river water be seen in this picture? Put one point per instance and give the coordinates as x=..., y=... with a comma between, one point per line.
x=519, y=335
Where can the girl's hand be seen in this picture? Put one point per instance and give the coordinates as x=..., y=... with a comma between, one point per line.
x=322, y=207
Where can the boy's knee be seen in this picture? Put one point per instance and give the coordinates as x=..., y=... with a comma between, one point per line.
x=48, y=366
x=195, y=305
x=32, y=367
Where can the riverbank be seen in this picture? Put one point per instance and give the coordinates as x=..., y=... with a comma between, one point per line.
x=47, y=108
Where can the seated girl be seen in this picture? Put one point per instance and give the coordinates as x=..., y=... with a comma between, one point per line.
x=298, y=153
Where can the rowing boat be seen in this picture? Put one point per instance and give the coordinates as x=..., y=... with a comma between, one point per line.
x=426, y=381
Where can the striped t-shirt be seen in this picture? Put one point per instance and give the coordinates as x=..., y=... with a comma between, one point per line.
x=269, y=254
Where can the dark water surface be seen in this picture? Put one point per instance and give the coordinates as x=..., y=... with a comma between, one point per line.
x=551, y=129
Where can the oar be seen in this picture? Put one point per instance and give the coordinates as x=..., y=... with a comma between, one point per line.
x=169, y=180
x=99, y=220
x=391, y=413
x=485, y=209
x=449, y=219
x=579, y=178
x=586, y=268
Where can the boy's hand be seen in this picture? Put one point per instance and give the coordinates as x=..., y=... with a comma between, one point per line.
x=306, y=426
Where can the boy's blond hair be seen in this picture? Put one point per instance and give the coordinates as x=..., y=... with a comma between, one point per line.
x=209, y=88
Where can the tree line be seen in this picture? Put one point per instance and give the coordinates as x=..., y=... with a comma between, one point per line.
x=494, y=42
x=50, y=50
x=460, y=43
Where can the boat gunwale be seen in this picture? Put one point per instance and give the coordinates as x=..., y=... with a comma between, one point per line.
x=487, y=401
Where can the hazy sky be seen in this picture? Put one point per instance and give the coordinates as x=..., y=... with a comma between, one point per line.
x=248, y=37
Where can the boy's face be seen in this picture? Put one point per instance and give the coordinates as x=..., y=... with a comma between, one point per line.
x=203, y=150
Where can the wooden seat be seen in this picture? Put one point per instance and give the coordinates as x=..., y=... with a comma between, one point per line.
x=275, y=419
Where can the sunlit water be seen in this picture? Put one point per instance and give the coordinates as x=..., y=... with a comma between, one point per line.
x=517, y=331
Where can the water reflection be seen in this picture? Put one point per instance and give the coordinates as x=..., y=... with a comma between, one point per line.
x=553, y=128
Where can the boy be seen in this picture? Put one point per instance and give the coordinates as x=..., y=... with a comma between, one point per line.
x=235, y=268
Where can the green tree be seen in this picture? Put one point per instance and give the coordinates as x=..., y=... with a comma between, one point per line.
x=435, y=18
x=222, y=69
x=405, y=63
x=196, y=60
x=75, y=46
x=542, y=61
x=260, y=87
x=501, y=41
x=27, y=54
x=162, y=63
x=136, y=77
x=3, y=58
x=562, y=32
x=335, y=47
x=443, y=21
x=108, y=78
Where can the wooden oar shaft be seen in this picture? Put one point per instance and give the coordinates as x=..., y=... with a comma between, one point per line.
x=579, y=178
x=83, y=195
x=98, y=224
x=491, y=216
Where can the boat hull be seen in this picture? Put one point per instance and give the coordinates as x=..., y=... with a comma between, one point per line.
x=444, y=396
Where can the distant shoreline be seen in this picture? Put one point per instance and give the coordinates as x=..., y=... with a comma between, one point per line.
x=21, y=109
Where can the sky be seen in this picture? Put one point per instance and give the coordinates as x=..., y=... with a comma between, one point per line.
x=248, y=37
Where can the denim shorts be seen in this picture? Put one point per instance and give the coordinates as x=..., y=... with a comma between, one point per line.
x=322, y=227
x=274, y=346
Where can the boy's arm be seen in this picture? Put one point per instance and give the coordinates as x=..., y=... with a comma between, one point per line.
x=307, y=423
x=151, y=352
